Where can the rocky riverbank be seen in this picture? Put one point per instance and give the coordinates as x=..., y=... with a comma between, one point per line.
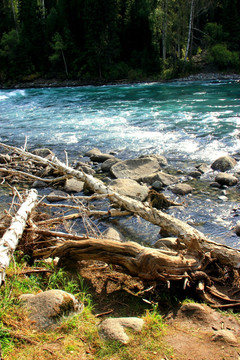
x=46, y=83
x=147, y=179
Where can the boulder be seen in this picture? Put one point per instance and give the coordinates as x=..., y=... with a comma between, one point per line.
x=94, y=151
x=157, y=185
x=224, y=163
x=182, y=189
x=114, y=328
x=161, y=159
x=97, y=156
x=47, y=308
x=135, y=168
x=73, y=185
x=169, y=243
x=43, y=152
x=226, y=179
x=195, y=174
x=87, y=169
x=164, y=178
x=225, y=336
x=131, y=188
x=237, y=228
x=55, y=195
x=202, y=168
x=112, y=234
x=107, y=164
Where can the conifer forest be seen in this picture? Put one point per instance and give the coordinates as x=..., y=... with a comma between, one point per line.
x=111, y=40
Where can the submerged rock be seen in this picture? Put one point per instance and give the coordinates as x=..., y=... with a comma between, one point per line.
x=131, y=188
x=182, y=189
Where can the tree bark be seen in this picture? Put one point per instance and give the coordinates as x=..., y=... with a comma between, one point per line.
x=9, y=241
x=190, y=26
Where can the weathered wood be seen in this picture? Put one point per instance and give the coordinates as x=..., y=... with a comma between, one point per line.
x=225, y=254
x=9, y=241
x=147, y=263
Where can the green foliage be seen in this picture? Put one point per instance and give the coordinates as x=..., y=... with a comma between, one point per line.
x=113, y=39
x=224, y=58
x=214, y=33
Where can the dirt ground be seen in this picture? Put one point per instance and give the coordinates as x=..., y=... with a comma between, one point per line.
x=194, y=331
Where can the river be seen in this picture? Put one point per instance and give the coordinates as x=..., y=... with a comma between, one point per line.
x=187, y=122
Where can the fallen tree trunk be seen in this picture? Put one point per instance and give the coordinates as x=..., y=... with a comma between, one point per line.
x=186, y=233
x=9, y=241
x=146, y=263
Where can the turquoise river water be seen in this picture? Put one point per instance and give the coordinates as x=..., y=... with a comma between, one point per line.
x=187, y=122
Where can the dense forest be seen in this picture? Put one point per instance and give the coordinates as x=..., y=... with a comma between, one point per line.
x=116, y=39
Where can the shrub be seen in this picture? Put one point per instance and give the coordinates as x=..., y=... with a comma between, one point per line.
x=223, y=58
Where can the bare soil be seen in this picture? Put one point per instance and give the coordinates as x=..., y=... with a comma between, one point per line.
x=190, y=331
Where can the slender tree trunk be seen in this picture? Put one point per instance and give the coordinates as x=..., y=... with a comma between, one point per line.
x=190, y=26
x=164, y=33
x=14, y=17
x=65, y=64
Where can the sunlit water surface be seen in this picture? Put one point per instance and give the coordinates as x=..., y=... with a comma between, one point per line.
x=188, y=122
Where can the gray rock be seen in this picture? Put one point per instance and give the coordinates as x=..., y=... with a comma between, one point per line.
x=224, y=163
x=164, y=178
x=237, y=228
x=100, y=158
x=107, y=164
x=39, y=184
x=161, y=159
x=225, y=336
x=113, y=328
x=73, y=185
x=47, y=308
x=195, y=174
x=55, y=195
x=157, y=185
x=169, y=243
x=43, y=152
x=97, y=156
x=202, y=168
x=182, y=189
x=131, y=188
x=87, y=169
x=94, y=151
x=112, y=234
x=226, y=179
x=135, y=168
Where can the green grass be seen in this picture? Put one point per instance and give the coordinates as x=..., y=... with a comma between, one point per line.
x=77, y=336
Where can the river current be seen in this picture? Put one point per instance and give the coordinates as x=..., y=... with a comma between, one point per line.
x=187, y=122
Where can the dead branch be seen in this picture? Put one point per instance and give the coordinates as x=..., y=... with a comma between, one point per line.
x=9, y=241
x=183, y=231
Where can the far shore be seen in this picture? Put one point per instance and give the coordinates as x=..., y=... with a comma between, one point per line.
x=48, y=83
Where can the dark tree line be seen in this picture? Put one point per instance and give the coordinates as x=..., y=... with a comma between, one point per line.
x=116, y=39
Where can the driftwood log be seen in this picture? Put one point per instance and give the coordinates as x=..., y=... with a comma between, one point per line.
x=186, y=233
x=10, y=239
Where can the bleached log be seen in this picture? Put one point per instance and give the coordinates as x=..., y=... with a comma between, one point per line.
x=9, y=241
x=147, y=263
x=225, y=254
